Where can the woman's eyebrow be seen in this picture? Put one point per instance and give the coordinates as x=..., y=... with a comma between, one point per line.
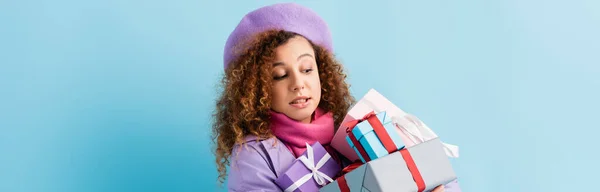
x=299, y=57
x=304, y=55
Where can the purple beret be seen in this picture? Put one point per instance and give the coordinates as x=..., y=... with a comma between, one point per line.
x=284, y=16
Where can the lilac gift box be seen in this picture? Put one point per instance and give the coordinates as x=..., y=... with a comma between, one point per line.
x=300, y=175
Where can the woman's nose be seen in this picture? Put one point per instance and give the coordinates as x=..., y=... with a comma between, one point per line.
x=297, y=83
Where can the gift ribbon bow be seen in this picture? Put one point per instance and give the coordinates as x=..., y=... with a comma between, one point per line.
x=413, y=127
x=379, y=130
x=351, y=124
x=320, y=177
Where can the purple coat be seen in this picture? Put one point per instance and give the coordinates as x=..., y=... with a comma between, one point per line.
x=250, y=170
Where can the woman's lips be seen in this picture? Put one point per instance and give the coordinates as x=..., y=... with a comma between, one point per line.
x=301, y=104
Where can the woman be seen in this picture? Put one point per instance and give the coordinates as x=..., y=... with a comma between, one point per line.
x=282, y=88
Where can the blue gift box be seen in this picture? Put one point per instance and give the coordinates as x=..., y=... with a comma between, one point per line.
x=369, y=140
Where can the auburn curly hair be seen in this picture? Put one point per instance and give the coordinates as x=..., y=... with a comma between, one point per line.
x=243, y=106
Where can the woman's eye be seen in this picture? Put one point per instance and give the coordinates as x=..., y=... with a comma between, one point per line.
x=308, y=70
x=280, y=77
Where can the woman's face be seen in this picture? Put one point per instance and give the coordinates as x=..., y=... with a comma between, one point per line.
x=296, y=84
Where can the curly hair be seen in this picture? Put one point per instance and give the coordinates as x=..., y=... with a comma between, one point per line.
x=245, y=101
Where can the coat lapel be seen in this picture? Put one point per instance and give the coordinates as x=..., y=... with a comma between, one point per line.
x=280, y=155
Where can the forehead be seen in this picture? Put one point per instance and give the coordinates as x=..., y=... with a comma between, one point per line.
x=294, y=47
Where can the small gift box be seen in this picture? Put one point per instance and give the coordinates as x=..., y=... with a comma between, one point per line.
x=373, y=136
x=311, y=171
x=421, y=167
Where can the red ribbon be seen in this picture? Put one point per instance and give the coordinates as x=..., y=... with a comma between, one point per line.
x=359, y=147
x=380, y=131
x=351, y=124
x=351, y=167
x=414, y=171
x=342, y=184
x=341, y=181
x=410, y=163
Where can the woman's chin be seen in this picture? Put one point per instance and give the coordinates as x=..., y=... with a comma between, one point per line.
x=301, y=116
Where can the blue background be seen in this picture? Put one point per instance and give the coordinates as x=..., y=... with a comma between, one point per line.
x=117, y=95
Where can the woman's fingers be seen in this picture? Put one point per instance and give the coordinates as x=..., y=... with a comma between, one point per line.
x=439, y=189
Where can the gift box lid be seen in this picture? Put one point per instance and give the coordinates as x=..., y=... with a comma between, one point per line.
x=364, y=129
x=433, y=164
x=430, y=159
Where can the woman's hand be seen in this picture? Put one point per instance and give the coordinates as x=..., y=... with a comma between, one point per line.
x=439, y=189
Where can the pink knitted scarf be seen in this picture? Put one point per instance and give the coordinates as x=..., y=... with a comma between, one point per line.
x=295, y=134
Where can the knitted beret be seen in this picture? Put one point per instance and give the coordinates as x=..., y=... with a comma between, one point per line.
x=289, y=17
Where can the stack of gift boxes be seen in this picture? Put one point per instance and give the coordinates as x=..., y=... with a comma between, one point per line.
x=392, y=151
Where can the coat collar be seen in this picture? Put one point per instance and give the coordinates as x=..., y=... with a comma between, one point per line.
x=280, y=155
